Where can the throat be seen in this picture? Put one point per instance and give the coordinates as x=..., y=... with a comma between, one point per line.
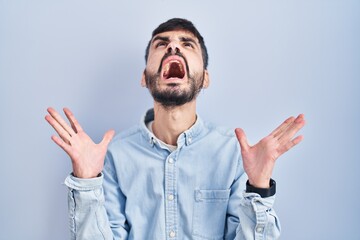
x=169, y=146
x=169, y=124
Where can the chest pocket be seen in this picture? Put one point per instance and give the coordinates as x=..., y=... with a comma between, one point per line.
x=210, y=213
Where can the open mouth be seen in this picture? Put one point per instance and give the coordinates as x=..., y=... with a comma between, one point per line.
x=174, y=69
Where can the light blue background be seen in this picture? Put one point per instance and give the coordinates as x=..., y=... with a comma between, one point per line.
x=268, y=60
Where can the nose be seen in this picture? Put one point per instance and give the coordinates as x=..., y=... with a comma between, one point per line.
x=173, y=48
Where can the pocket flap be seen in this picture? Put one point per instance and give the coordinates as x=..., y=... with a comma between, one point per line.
x=212, y=195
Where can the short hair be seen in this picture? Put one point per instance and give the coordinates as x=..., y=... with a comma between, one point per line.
x=180, y=24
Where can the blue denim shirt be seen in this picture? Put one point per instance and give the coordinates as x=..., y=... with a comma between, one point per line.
x=147, y=191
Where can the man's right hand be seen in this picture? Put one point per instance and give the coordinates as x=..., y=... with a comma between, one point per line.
x=86, y=156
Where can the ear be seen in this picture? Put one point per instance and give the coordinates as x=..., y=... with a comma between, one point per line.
x=206, y=79
x=143, y=80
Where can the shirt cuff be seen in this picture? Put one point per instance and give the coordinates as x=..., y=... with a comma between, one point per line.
x=258, y=203
x=84, y=184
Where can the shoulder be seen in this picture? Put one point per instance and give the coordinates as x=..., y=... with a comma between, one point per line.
x=219, y=137
x=222, y=131
x=132, y=134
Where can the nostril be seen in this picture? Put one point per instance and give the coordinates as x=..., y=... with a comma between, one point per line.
x=173, y=50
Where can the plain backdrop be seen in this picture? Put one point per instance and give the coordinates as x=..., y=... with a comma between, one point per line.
x=268, y=60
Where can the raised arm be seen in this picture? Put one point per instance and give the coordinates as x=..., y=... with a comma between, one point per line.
x=258, y=219
x=87, y=157
x=259, y=160
x=88, y=217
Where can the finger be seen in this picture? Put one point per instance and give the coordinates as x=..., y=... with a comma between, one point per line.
x=240, y=134
x=73, y=121
x=107, y=137
x=291, y=144
x=61, y=121
x=297, y=140
x=280, y=129
x=66, y=147
x=300, y=118
x=290, y=132
x=58, y=128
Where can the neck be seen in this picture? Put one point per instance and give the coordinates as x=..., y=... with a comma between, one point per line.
x=169, y=123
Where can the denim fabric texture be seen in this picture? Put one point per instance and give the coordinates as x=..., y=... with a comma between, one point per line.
x=147, y=191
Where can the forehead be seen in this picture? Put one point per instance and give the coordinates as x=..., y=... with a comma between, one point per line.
x=175, y=35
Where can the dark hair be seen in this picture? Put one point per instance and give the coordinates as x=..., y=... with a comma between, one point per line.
x=180, y=24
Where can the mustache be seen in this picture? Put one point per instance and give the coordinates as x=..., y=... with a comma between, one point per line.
x=168, y=54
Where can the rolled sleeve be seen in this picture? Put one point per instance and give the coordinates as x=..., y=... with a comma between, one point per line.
x=84, y=184
x=87, y=215
x=259, y=213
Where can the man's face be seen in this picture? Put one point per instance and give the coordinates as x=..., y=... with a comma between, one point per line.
x=175, y=70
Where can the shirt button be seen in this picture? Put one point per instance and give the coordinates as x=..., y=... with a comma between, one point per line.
x=172, y=234
x=171, y=160
x=190, y=139
x=170, y=197
x=259, y=229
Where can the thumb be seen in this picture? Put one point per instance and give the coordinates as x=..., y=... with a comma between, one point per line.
x=108, y=136
x=240, y=134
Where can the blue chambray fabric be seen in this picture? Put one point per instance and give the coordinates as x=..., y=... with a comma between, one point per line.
x=147, y=191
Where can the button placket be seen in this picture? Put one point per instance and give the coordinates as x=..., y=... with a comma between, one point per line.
x=171, y=201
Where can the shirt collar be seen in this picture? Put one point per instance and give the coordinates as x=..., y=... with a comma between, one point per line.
x=187, y=137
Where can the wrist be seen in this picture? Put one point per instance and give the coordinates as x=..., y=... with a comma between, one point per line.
x=260, y=183
x=84, y=176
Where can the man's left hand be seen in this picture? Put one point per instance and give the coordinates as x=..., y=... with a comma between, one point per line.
x=259, y=160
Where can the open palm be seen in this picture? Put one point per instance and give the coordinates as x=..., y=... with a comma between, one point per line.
x=259, y=160
x=87, y=157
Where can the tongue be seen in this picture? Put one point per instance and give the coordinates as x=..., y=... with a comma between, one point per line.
x=174, y=71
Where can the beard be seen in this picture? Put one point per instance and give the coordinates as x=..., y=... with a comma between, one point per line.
x=173, y=96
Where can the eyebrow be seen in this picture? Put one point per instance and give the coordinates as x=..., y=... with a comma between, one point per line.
x=182, y=39
x=188, y=39
x=160, y=38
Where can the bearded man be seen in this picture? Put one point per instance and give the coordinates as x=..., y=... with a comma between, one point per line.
x=174, y=176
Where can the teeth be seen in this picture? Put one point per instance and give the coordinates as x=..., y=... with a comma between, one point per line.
x=167, y=67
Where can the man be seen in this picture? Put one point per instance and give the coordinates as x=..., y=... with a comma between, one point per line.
x=174, y=176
